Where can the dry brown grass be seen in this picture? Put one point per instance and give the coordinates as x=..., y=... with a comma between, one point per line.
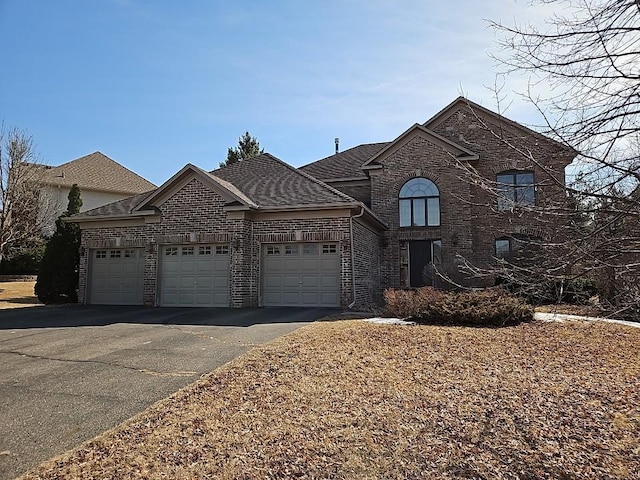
x=17, y=295
x=356, y=400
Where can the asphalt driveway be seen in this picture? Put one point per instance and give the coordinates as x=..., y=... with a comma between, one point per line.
x=71, y=372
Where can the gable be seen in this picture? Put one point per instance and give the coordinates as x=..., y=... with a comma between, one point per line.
x=228, y=192
x=418, y=131
x=193, y=196
x=461, y=115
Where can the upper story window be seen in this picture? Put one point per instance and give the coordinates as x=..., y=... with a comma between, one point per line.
x=515, y=189
x=419, y=203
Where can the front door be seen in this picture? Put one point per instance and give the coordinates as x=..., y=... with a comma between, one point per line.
x=420, y=258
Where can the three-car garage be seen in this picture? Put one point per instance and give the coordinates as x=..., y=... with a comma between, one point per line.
x=198, y=275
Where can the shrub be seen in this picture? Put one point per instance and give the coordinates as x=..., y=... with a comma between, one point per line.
x=492, y=307
x=26, y=261
x=575, y=291
x=58, y=275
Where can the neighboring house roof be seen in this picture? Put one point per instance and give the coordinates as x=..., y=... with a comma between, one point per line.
x=270, y=182
x=96, y=171
x=344, y=165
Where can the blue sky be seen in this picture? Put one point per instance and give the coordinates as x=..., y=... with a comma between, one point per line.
x=157, y=84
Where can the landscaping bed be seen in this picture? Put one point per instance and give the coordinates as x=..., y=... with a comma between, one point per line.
x=352, y=399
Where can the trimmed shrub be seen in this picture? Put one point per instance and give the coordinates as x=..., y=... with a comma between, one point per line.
x=491, y=307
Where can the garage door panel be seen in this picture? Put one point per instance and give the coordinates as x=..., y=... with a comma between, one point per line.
x=310, y=298
x=116, y=276
x=221, y=283
x=204, y=282
x=290, y=281
x=221, y=264
x=272, y=264
x=273, y=298
x=327, y=281
x=187, y=266
x=303, y=274
x=311, y=282
x=198, y=277
x=329, y=298
x=291, y=264
x=128, y=282
x=329, y=264
x=273, y=281
x=204, y=267
x=292, y=298
x=310, y=264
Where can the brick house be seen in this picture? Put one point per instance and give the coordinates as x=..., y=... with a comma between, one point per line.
x=335, y=232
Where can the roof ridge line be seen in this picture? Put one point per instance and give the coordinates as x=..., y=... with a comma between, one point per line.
x=313, y=179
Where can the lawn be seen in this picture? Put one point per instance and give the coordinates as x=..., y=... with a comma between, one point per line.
x=17, y=294
x=352, y=399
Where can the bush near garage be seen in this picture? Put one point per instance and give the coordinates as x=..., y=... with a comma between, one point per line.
x=58, y=275
x=483, y=308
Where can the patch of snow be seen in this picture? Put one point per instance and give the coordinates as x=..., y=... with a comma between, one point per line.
x=389, y=321
x=561, y=317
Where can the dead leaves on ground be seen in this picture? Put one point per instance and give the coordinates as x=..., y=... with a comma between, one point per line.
x=356, y=400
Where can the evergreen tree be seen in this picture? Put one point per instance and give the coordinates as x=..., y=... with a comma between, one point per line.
x=248, y=147
x=58, y=277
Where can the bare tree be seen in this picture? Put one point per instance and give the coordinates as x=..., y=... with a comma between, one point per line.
x=23, y=213
x=584, y=71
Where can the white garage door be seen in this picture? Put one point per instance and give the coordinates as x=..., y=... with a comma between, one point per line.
x=116, y=276
x=194, y=275
x=301, y=274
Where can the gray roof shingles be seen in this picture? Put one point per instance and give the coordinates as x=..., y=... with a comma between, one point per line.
x=265, y=180
x=345, y=164
x=269, y=182
x=118, y=208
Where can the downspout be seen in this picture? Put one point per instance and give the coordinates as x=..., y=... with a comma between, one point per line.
x=353, y=256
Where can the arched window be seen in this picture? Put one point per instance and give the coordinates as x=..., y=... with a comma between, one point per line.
x=419, y=203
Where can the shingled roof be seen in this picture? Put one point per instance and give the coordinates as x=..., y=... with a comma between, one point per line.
x=270, y=182
x=118, y=208
x=345, y=164
x=96, y=171
x=263, y=181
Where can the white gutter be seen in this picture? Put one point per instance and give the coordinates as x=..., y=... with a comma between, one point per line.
x=353, y=255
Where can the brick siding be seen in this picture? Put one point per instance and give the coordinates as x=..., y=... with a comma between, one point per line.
x=195, y=215
x=469, y=219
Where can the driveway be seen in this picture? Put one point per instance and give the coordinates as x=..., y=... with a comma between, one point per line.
x=71, y=372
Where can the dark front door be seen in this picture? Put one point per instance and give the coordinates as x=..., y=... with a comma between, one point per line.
x=420, y=263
